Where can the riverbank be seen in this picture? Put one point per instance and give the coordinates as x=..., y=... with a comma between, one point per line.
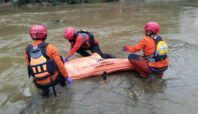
x=7, y=4
x=19, y=3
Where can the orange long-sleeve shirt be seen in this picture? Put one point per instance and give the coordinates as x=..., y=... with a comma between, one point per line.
x=77, y=44
x=148, y=46
x=52, y=52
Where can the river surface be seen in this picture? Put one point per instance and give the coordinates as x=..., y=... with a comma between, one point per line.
x=114, y=24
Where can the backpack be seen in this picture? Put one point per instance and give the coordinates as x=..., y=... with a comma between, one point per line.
x=161, y=51
x=40, y=65
x=90, y=41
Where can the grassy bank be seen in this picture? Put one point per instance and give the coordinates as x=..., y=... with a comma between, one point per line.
x=18, y=3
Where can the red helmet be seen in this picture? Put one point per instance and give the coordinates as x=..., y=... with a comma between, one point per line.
x=69, y=33
x=38, y=32
x=152, y=26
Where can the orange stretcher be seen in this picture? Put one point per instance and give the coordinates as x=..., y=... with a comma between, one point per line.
x=94, y=65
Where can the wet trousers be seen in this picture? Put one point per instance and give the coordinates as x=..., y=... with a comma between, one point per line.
x=141, y=66
x=94, y=49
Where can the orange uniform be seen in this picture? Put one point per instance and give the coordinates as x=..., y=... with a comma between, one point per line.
x=81, y=42
x=52, y=52
x=43, y=62
x=143, y=64
x=77, y=43
x=147, y=44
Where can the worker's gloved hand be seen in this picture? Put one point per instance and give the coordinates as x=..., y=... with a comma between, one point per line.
x=66, y=59
x=68, y=81
x=125, y=47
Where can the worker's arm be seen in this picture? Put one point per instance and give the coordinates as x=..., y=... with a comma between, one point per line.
x=26, y=57
x=53, y=53
x=135, y=48
x=77, y=45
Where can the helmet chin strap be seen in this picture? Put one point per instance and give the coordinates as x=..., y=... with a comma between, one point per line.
x=75, y=35
x=150, y=33
x=43, y=39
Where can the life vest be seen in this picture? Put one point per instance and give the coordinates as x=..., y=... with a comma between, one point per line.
x=160, y=52
x=40, y=66
x=88, y=42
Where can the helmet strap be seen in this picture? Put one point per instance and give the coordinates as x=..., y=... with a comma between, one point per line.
x=150, y=33
x=74, y=36
x=43, y=39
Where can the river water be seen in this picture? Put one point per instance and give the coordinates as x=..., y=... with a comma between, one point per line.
x=114, y=24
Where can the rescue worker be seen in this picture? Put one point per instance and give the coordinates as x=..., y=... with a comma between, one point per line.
x=44, y=63
x=155, y=49
x=81, y=42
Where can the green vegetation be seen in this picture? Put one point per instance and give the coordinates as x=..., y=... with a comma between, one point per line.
x=49, y=2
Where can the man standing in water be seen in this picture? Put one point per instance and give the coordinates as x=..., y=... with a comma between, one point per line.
x=81, y=41
x=155, y=49
x=44, y=62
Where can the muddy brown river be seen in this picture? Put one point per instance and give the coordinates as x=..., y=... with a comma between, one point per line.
x=114, y=24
